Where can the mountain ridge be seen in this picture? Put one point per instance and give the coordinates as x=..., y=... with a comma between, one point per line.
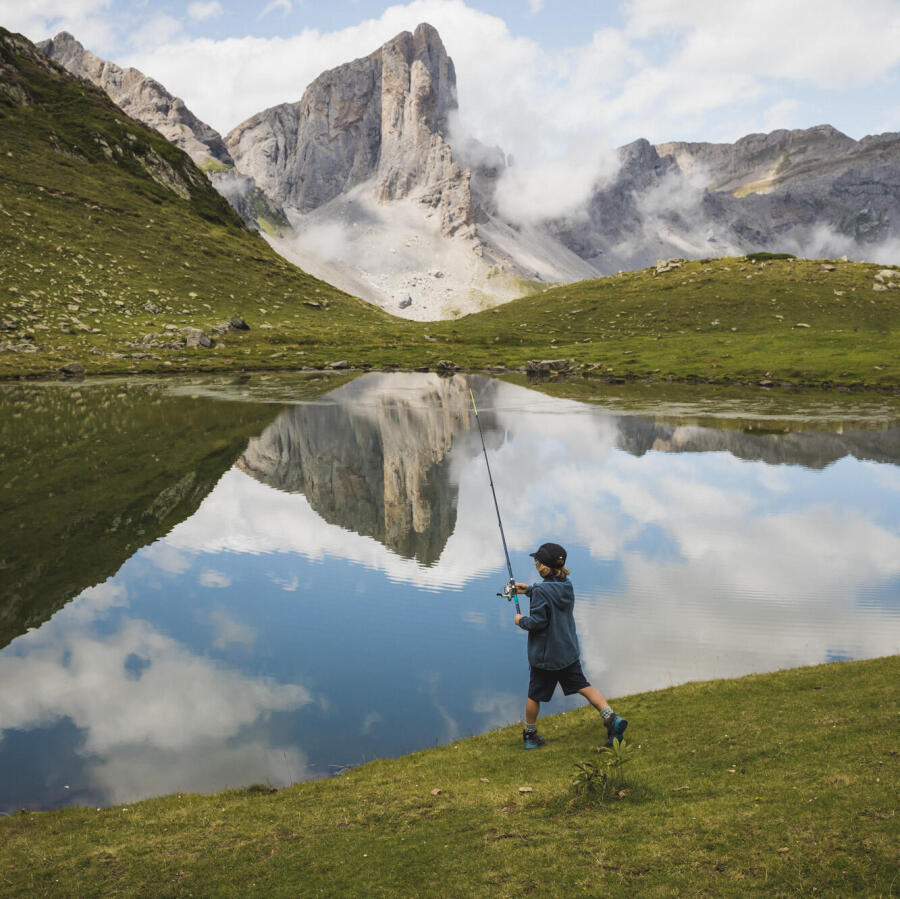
x=386, y=202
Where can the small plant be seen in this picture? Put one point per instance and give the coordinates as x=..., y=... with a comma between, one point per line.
x=589, y=779
x=594, y=778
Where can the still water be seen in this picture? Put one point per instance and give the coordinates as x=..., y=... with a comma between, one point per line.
x=210, y=583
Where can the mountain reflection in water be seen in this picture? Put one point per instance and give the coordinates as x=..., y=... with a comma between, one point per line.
x=331, y=597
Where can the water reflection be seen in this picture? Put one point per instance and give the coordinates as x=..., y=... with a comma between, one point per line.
x=313, y=607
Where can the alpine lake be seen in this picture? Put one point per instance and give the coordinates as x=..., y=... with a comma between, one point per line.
x=210, y=582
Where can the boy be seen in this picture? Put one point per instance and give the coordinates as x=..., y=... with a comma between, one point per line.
x=553, y=652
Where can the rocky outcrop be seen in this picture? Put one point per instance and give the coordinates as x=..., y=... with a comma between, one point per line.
x=149, y=102
x=143, y=99
x=383, y=118
x=372, y=461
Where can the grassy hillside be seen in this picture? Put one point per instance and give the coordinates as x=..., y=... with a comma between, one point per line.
x=109, y=233
x=776, y=784
x=112, y=243
x=802, y=321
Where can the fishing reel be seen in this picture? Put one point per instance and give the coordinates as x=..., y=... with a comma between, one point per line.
x=509, y=591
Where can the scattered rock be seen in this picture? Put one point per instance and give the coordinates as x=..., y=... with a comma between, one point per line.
x=546, y=366
x=405, y=304
x=483, y=780
x=436, y=791
x=238, y=324
x=446, y=365
x=338, y=365
x=312, y=304
x=879, y=286
x=72, y=370
x=152, y=308
x=526, y=789
x=826, y=267
x=668, y=265
x=196, y=337
x=801, y=325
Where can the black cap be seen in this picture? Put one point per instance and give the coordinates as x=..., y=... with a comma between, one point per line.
x=550, y=554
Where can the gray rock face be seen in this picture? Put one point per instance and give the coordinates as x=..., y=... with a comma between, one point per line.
x=143, y=99
x=814, y=191
x=149, y=102
x=383, y=117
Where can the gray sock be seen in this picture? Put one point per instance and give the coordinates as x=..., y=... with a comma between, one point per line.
x=608, y=713
x=530, y=729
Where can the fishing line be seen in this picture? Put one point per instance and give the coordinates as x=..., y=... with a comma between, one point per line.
x=509, y=591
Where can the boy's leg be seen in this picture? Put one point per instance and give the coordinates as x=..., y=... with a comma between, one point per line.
x=615, y=726
x=532, y=710
x=595, y=698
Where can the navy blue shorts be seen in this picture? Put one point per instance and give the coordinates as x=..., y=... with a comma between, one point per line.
x=543, y=681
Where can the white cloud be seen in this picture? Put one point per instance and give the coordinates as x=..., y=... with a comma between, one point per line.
x=200, y=12
x=535, y=6
x=155, y=32
x=229, y=630
x=284, y=5
x=88, y=20
x=214, y=579
x=178, y=700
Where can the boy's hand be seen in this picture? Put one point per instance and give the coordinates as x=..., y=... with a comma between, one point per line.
x=516, y=619
x=521, y=588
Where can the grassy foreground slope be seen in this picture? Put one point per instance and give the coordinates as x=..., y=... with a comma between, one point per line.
x=772, y=784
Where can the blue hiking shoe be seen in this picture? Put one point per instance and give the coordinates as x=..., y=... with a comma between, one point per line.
x=615, y=728
x=533, y=741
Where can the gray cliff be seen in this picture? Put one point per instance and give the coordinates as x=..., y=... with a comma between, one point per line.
x=813, y=192
x=383, y=117
x=149, y=102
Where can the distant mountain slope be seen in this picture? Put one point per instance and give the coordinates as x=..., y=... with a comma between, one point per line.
x=149, y=102
x=814, y=192
x=114, y=245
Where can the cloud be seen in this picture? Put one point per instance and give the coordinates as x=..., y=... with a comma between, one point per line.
x=284, y=5
x=210, y=578
x=535, y=6
x=200, y=12
x=88, y=20
x=155, y=32
x=229, y=630
x=184, y=723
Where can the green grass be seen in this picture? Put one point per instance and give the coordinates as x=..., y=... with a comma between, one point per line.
x=776, y=785
x=97, y=258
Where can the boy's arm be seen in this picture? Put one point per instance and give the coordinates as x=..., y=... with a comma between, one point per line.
x=539, y=614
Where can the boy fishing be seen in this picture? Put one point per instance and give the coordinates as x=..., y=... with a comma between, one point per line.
x=553, y=651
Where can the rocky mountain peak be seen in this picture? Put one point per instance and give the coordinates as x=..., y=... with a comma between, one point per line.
x=383, y=117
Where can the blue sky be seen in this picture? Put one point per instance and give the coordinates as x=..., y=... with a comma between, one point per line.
x=561, y=79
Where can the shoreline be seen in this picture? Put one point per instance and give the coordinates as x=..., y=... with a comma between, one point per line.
x=574, y=374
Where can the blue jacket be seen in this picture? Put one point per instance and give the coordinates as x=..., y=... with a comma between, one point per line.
x=552, y=641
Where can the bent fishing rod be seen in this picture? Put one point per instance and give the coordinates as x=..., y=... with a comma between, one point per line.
x=509, y=591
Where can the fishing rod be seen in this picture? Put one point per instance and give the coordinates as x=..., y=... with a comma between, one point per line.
x=509, y=591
